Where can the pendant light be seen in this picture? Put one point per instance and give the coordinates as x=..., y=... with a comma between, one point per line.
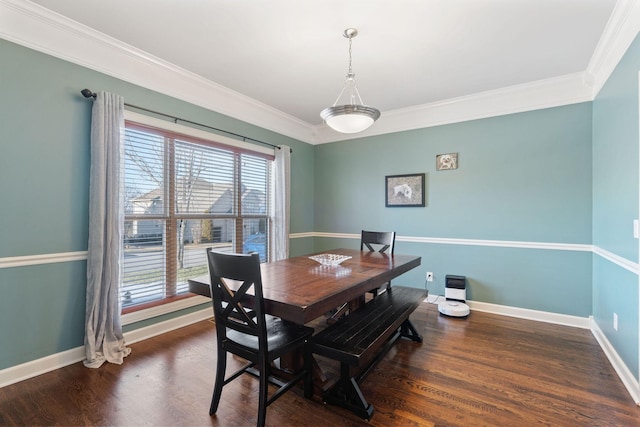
x=351, y=116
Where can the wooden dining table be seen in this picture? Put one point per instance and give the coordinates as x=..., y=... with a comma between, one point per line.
x=300, y=289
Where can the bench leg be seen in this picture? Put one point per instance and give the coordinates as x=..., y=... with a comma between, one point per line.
x=407, y=330
x=347, y=393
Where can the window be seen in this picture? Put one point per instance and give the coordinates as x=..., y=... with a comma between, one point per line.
x=183, y=194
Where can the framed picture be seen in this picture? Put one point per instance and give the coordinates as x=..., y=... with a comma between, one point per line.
x=404, y=190
x=447, y=161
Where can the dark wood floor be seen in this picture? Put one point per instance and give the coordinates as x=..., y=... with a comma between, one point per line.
x=486, y=370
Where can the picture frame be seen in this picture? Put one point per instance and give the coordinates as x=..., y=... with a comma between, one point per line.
x=447, y=161
x=403, y=191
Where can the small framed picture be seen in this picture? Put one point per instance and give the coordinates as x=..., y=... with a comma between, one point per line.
x=404, y=190
x=447, y=161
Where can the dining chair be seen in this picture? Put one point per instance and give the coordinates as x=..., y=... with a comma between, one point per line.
x=378, y=241
x=375, y=241
x=249, y=332
x=383, y=240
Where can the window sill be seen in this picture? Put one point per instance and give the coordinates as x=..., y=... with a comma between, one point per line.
x=159, y=310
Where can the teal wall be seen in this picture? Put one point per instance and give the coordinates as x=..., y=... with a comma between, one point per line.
x=521, y=178
x=44, y=185
x=565, y=175
x=615, y=205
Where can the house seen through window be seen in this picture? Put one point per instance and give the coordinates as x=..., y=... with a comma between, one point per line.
x=181, y=196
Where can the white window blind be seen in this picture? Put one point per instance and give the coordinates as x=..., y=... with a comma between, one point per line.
x=182, y=195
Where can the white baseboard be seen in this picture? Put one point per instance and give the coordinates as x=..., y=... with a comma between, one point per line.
x=40, y=366
x=629, y=381
x=525, y=313
x=50, y=363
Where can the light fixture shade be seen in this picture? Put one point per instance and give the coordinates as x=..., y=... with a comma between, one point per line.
x=349, y=118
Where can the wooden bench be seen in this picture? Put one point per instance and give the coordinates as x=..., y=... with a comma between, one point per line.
x=359, y=340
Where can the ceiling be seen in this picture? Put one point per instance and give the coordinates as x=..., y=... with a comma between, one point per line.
x=291, y=55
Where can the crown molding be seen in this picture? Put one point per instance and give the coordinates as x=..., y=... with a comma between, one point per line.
x=38, y=28
x=553, y=92
x=619, y=33
x=41, y=29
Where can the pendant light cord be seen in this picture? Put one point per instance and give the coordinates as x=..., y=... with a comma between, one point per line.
x=350, y=72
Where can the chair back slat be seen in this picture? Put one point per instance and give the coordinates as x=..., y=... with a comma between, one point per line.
x=384, y=239
x=234, y=311
x=243, y=270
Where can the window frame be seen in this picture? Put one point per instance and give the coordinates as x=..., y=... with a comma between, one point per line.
x=147, y=123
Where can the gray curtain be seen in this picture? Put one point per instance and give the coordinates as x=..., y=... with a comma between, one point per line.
x=103, y=339
x=281, y=199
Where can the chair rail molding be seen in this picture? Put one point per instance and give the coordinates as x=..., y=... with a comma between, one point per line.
x=634, y=267
x=27, y=260
x=465, y=242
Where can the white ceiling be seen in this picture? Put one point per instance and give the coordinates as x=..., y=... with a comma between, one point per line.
x=291, y=55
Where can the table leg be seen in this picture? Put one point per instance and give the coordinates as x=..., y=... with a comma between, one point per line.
x=294, y=361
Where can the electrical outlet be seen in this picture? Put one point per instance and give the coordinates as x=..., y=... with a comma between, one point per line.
x=429, y=276
x=615, y=321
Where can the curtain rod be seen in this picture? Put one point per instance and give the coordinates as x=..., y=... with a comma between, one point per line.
x=89, y=94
